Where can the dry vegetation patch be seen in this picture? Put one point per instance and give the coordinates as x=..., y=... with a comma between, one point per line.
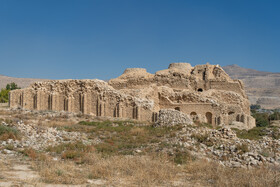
x=213, y=174
x=8, y=133
x=138, y=170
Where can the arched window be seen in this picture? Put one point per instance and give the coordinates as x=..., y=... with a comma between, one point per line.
x=238, y=117
x=177, y=108
x=242, y=119
x=209, y=117
x=194, y=116
x=219, y=120
x=230, y=113
x=200, y=90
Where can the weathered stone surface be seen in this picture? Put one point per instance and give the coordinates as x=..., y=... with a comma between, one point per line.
x=204, y=92
x=170, y=117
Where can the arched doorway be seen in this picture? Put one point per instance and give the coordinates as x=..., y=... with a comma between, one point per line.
x=242, y=119
x=219, y=121
x=238, y=117
x=194, y=116
x=209, y=117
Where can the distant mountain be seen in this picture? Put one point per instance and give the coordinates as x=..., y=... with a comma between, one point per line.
x=21, y=82
x=262, y=87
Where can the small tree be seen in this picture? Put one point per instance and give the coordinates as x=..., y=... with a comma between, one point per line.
x=262, y=119
x=255, y=107
x=12, y=86
x=8, y=87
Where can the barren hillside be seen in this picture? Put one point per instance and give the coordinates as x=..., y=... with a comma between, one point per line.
x=262, y=87
x=22, y=82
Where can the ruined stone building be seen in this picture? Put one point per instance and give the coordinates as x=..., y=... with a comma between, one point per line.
x=204, y=92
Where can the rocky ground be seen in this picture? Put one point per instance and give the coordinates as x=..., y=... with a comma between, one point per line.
x=31, y=142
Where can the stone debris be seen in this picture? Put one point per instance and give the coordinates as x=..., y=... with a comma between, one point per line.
x=224, y=146
x=37, y=137
x=171, y=117
x=221, y=145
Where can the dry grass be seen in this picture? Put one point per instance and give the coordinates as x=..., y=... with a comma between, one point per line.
x=209, y=173
x=66, y=172
x=137, y=170
x=154, y=171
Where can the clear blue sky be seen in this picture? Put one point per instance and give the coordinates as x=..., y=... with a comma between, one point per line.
x=59, y=39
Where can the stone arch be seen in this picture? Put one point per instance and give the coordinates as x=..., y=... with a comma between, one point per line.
x=231, y=113
x=194, y=116
x=200, y=90
x=177, y=108
x=117, y=110
x=209, y=117
x=238, y=117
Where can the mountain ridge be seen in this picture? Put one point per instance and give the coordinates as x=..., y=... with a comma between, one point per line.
x=262, y=87
x=21, y=82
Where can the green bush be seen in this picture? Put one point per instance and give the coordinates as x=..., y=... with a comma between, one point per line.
x=262, y=119
x=275, y=116
x=255, y=107
x=4, y=94
x=252, y=134
x=12, y=86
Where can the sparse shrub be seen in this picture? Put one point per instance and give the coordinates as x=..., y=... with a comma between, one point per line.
x=275, y=133
x=71, y=154
x=207, y=173
x=183, y=157
x=31, y=153
x=252, y=134
x=203, y=138
x=78, y=146
x=266, y=153
x=206, y=125
x=8, y=133
x=72, y=151
x=242, y=148
x=274, y=116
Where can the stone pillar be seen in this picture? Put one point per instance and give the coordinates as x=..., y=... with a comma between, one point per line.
x=138, y=113
x=70, y=104
x=120, y=110
x=103, y=109
x=86, y=103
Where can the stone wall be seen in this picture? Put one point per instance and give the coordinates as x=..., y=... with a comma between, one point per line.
x=204, y=92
